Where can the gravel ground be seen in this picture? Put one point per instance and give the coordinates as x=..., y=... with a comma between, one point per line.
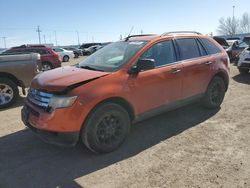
x=188, y=147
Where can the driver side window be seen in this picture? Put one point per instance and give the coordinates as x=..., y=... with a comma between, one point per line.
x=162, y=53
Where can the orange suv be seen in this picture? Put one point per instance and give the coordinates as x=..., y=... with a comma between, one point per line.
x=96, y=100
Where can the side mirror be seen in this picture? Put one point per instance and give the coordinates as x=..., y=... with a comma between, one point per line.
x=142, y=65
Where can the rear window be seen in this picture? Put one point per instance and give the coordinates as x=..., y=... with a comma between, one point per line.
x=210, y=47
x=188, y=48
x=247, y=40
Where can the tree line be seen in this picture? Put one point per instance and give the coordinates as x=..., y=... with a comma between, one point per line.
x=232, y=25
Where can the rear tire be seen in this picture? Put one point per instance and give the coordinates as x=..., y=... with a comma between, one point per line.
x=8, y=92
x=243, y=71
x=215, y=93
x=65, y=58
x=46, y=66
x=106, y=128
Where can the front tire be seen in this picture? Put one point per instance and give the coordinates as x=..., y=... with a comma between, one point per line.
x=8, y=92
x=106, y=128
x=215, y=93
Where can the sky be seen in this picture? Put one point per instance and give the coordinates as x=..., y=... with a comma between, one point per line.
x=106, y=20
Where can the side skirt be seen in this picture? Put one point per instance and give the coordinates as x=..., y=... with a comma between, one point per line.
x=168, y=107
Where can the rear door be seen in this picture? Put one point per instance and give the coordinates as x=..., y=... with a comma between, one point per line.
x=160, y=86
x=196, y=66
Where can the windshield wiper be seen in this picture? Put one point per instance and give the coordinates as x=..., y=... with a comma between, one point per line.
x=90, y=68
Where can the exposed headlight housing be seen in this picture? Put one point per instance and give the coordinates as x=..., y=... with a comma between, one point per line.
x=61, y=101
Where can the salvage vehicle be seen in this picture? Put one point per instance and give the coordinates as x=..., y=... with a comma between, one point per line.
x=222, y=42
x=77, y=51
x=49, y=59
x=65, y=55
x=96, y=101
x=16, y=71
x=243, y=64
x=91, y=49
x=236, y=47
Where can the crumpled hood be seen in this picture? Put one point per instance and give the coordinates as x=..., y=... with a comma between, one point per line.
x=59, y=79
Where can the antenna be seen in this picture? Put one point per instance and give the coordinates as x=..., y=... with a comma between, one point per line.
x=132, y=28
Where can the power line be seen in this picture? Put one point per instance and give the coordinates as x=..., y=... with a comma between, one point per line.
x=55, y=37
x=77, y=33
x=4, y=41
x=44, y=38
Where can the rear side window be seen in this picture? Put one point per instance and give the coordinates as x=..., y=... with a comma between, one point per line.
x=188, y=48
x=163, y=53
x=210, y=47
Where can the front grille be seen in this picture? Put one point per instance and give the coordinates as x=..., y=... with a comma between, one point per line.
x=39, y=98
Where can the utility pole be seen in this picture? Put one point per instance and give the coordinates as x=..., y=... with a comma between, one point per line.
x=44, y=38
x=4, y=41
x=55, y=37
x=141, y=32
x=233, y=12
x=78, y=40
x=39, y=31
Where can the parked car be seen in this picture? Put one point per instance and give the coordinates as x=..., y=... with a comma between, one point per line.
x=91, y=49
x=65, y=55
x=127, y=81
x=222, y=42
x=49, y=58
x=244, y=61
x=77, y=52
x=87, y=45
x=235, y=49
x=233, y=38
x=16, y=71
x=247, y=40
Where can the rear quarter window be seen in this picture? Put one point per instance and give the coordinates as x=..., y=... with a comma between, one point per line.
x=210, y=47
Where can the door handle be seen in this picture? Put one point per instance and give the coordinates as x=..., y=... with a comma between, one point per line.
x=208, y=63
x=175, y=71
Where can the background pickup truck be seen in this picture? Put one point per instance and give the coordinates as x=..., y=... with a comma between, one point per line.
x=16, y=70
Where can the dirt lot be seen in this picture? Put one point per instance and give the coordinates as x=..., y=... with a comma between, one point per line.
x=189, y=147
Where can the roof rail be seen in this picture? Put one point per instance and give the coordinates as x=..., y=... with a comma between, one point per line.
x=35, y=45
x=22, y=46
x=144, y=35
x=180, y=32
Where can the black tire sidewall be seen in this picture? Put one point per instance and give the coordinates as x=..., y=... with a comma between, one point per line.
x=90, y=126
x=65, y=58
x=207, y=99
x=11, y=84
x=243, y=71
x=49, y=64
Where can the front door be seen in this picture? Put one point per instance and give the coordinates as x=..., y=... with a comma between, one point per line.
x=160, y=86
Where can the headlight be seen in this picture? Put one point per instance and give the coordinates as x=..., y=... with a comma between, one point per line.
x=61, y=101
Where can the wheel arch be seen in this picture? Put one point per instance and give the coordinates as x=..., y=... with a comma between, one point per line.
x=47, y=62
x=224, y=76
x=122, y=102
x=12, y=78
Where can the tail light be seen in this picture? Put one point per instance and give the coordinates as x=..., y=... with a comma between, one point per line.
x=39, y=64
x=55, y=55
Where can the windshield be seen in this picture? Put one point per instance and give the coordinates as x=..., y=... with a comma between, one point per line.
x=113, y=56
